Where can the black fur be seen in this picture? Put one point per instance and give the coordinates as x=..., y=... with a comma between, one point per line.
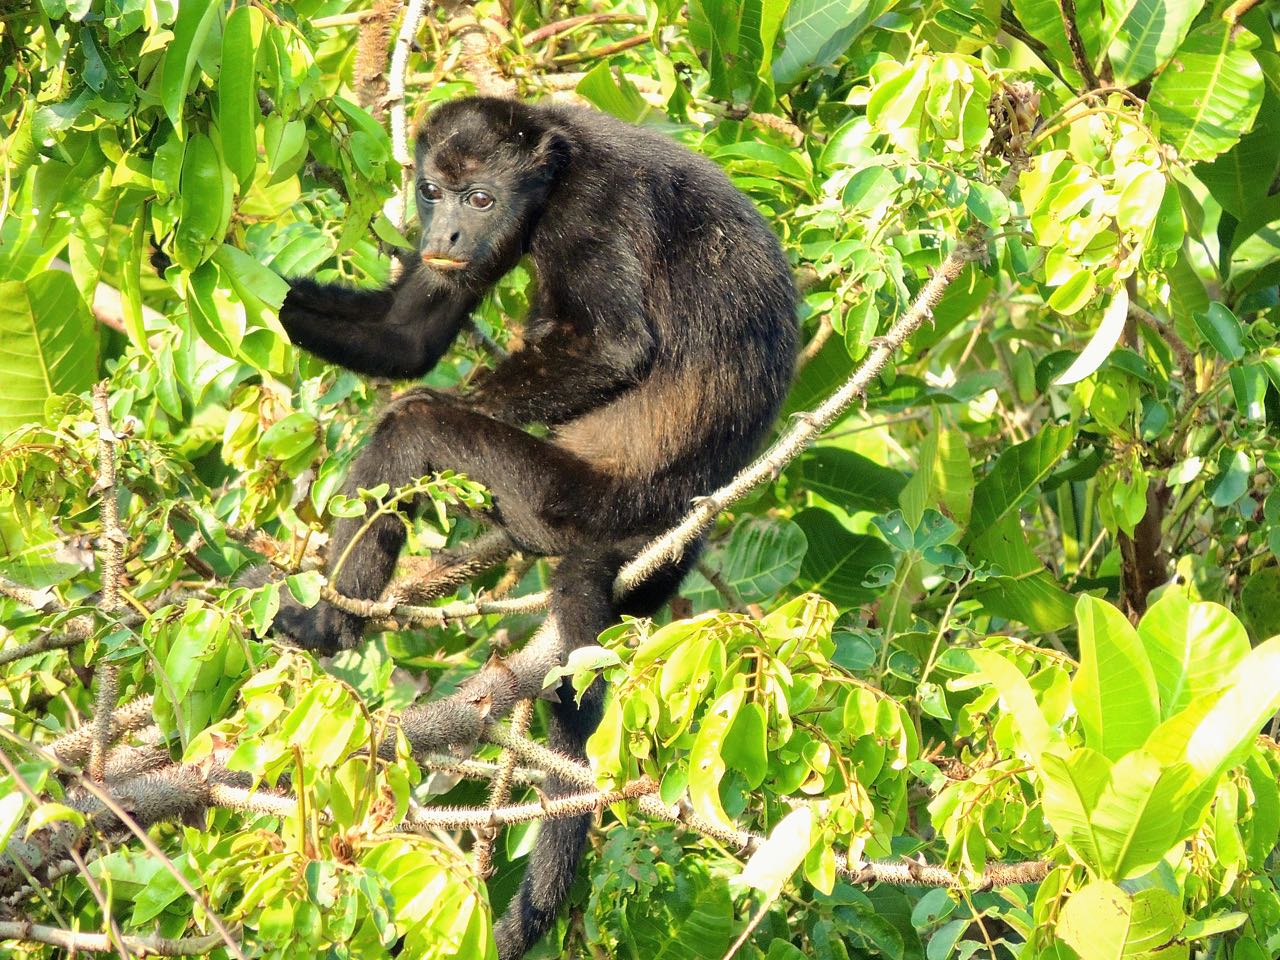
x=658, y=351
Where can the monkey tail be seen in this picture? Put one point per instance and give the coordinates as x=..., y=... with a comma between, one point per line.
x=582, y=604
x=553, y=864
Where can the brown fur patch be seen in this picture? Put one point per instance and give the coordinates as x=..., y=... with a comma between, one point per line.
x=645, y=429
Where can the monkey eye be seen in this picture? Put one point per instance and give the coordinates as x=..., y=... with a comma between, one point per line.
x=480, y=200
x=430, y=192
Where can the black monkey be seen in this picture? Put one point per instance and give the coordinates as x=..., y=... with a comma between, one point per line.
x=658, y=350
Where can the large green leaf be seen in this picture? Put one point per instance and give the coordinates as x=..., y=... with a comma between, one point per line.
x=1192, y=647
x=1138, y=816
x=195, y=19
x=1034, y=599
x=237, y=93
x=1207, y=97
x=1241, y=178
x=1114, y=690
x=851, y=481
x=1224, y=732
x=1017, y=472
x=1143, y=34
x=1072, y=786
x=816, y=32
x=1103, y=922
x=943, y=477
x=48, y=345
x=760, y=557
x=837, y=562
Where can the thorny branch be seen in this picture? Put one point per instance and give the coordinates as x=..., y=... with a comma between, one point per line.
x=112, y=563
x=80, y=941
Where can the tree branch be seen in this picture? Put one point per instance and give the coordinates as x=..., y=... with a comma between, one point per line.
x=907, y=873
x=111, y=545
x=76, y=940
x=548, y=808
x=1067, y=8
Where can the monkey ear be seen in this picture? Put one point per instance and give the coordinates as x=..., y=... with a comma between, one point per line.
x=553, y=152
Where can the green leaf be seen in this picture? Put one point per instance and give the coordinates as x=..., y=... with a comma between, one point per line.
x=1114, y=689
x=837, y=562
x=50, y=345
x=772, y=865
x=1101, y=343
x=237, y=93
x=1208, y=96
x=706, y=764
x=207, y=192
x=614, y=93
x=816, y=32
x=1017, y=472
x=1229, y=727
x=944, y=476
x=1192, y=647
x=1145, y=33
x=760, y=558
x=1241, y=178
x=746, y=748
x=1219, y=326
x=1260, y=602
x=1138, y=816
x=1103, y=922
x=1016, y=692
x=1072, y=786
x=1260, y=249
x=195, y=19
x=851, y=481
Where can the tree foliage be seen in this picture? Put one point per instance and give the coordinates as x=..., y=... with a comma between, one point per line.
x=989, y=668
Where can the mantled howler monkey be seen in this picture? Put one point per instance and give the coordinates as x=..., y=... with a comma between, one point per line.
x=658, y=350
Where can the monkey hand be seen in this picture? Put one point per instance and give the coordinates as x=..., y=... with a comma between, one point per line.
x=322, y=628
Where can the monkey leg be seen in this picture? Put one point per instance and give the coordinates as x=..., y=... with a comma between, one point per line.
x=546, y=499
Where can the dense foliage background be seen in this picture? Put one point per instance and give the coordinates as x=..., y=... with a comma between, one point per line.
x=987, y=663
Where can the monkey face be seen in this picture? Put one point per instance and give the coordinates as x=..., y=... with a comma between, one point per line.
x=484, y=170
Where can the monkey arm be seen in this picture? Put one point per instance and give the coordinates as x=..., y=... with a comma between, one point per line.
x=398, y=331
x=559, y=377
x=593, y=340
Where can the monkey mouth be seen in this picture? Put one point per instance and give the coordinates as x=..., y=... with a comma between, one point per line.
x=441, y=262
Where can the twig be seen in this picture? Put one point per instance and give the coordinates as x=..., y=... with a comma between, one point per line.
x=397, y=208
x=816, y=343
x=50, y=641
x=731, y=598
x=1186, y=359
x=477, y=58
x=112, y=563
x=36, y=599
x=599, y=53
x=73, y=747
x=500, y=790
x=572, y=23
x=75, y=940
x=472, y=769
x=909, y=873
x=550, y=808
x=1237, y=10
x=1067, y=8
x=369, y=75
